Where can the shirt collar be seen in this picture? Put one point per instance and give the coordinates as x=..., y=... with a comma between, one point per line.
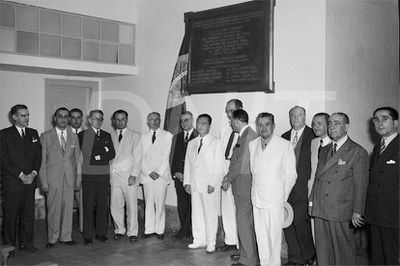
x=19, y=129
x=325, y=141
x=242, y=130
x=340, y=142
x=188, y=132
x=390, y=138
x=123, y=131
x=299, y=132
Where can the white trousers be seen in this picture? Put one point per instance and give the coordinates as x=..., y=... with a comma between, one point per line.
x=228, y=213
x=204, y=218
x=154, y=196
x=121, y=196
x=268, y=223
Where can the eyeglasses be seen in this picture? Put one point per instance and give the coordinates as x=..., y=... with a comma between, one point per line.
x=63, y=116
x=383, y=120
x=97, y=119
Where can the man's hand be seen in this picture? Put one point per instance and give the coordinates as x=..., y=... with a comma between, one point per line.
x=45, y=190
x=309, y=209
x=77, y=186
x=179, y=176
x=188, y=189
x=357, y=220
x=210, y=189
x=153, y=175
x=29, y=178
x=23, y=177
x=131, y=180
x=225, y=185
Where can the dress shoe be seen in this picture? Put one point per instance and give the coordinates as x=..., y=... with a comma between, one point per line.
x=310, y=261
x=69, y=243
x=226, y=247
x=235, y=257
x=133, y=239
x=210, y=249
x=118, y=236
x=147, y=235
x=49, y=245
x=160, y=236
x=196, y=246
x=88, y=241
x=177, y=236
x=102, y=238
x=11, y=254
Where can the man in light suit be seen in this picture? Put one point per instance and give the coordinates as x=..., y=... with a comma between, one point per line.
x=20, y=162
x=273, y=167
x=155, y=175
x=240, y=177
x=180, y=142
x=298, y=234
x=203, y=176
x=124, y=175
x=228, y=210
x=338, y=195
x=97, y=151
x=382, y=206
x=58, y=177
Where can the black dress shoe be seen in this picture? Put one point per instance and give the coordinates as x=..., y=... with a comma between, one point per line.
x=148, y=235
x=102, y=238
x=69, y=243
x=133, y=239
x=226, y=247
x=310, y=261
x=235, y=257
x=160, y=236
x=177, y=236
x=118, y=236
x=88, y=241
x=49, y=245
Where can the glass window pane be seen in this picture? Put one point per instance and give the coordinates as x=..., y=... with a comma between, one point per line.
x=91, y=28
x=71, y=25
x=109, y=53
x=50, y=45
x=27, y=18
x=127, y=54
x=7, y=15
x=109, y=31
x=71, y=48
x=27, y=42
x=126, y=34
x=90, y=51
x=50, y=22
x=7, y=40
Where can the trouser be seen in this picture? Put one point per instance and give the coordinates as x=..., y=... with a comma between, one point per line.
x=184, y=209
x=228, y=213
x=154, y=196
x=384, y=246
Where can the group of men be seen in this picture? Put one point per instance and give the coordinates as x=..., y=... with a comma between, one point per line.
x=247, y=174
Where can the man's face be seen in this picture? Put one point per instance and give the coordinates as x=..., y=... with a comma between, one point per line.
x=337, y=127
x=320, y=126
x=153, y=121
x=61, y=119
x=235, y=125
x=384, y=123
x=96, y=120
x=265, y=127
x=186, y=122
x=229, y=109
x=203, y=126
x=297, y=118
x=75, y=119
x=21, y=118
x=120, y=121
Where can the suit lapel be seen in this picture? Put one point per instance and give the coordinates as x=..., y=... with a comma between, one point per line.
x=335, y=158
x=56, y=141
x=386, y=154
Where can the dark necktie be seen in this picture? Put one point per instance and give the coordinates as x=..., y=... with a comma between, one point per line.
x=201, y=145
x=98, y=133
x=333, y=149
x=120, y=136
x=22, y=134
x=63, y=142
x=153, y=138
x=320, y=147
x=229, y=146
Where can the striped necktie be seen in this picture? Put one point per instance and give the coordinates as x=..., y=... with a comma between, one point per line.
x=383, y=146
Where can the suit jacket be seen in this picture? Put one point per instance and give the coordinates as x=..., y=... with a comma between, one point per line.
x=204, y=168
x=274, y=172
x=382, y=206
x=17, y=157
x=56, y=165
x=303, y=165
x=128, y=158
x=156, y=156
x=239, y=169
x=340, y=185
x=97, y=153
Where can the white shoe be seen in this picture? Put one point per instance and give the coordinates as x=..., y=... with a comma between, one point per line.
x=196, y=246
x=210, y=249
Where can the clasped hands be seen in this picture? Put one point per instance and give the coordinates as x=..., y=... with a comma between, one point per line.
x=27, y=179
x=225, y=184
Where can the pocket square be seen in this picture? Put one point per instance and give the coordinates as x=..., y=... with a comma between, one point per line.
x=341, y=162
x=391, y=162
x=34, y=140
x=73, y=146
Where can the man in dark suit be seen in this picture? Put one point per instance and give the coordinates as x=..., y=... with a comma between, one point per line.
x=382, y=206
x=20, y=163
x=338, y=195
x=179, y=142
x=97, y=150
x=298, y=234
x=240, y=177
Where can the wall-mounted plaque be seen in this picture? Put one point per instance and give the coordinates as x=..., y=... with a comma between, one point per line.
x=231, y=48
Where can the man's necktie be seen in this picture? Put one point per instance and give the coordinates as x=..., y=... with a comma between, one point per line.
x=229, y=146
x=153, y=138
x=334, y=145
x=295, y=140
x=62, y=142
x=22, y=134
x=120, y=136
x=98, y=133
x=383, y=146
x=321, y=142
x=201, y=145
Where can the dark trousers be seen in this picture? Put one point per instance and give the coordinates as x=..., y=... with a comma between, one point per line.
x=298, y=235
x=184, y=209
x=385, y=246
x=19, y=208
x=95, y=205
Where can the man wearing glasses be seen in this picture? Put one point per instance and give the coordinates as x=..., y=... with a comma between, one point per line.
x=97, y=150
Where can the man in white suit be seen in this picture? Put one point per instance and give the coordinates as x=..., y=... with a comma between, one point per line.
x=155, y=175
x=125, y=170
x=204, y=171
x=273, y=168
